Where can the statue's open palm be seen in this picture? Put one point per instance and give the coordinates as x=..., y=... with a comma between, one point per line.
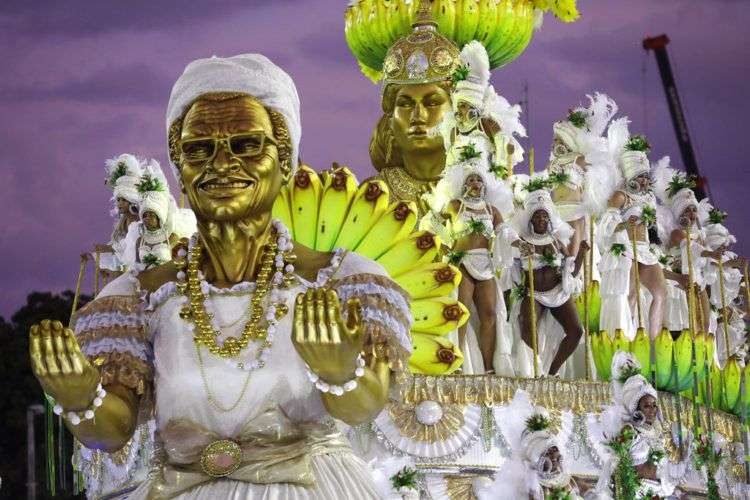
x=60, y=366
x=328, y=344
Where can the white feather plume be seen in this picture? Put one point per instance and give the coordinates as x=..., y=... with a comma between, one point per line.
x=601, y=110
x=474, y=56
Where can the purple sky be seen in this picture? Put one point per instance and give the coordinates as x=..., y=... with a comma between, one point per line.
x=84, y=81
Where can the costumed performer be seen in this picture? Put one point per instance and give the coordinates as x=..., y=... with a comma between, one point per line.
x=247, y=379
x=123, y=174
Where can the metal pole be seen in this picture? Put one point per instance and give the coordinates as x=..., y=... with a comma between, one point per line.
x=724, y=317
x=31, y=412
x=586, y=332
x=532, y=314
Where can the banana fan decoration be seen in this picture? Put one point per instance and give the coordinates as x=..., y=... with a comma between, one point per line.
x=674, y=367
x=504, y=27
x=332, y=210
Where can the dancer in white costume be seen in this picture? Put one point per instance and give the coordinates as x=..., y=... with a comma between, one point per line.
x=544, y=236
x=536, y=468
x=635, y=405
x=480, y=141
x=246, y=382
x=631, y=211
x=123, y=174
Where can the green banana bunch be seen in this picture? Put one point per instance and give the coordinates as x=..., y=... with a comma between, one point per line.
x=305, y=194
x=504, y=27
x=395, y=224
x=434, y=355
x=594, y=306
x=282, y=209
x=339, y=189
x=370, y=202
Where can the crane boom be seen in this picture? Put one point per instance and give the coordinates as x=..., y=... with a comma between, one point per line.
x=658, y=45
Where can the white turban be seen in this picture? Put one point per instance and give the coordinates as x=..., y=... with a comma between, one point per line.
x=718, y=235
x=251, y=74
x=683, y=199
x=633, y=390
x=540, y=199
x=535, y=444
x=633, y=164
x=472, y=90
x=125, y=181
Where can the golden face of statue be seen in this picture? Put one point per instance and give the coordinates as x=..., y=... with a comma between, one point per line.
x=229, y=159
x=417, y=109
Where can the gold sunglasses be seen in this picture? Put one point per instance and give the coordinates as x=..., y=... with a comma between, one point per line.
x=244, y=145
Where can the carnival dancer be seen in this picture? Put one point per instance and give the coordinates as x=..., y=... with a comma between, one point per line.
x=536, y=469
x=246, y=409
x=543, y=245
x=123, y=174
x=623, y=229
x=634, y=437
x=579, y=165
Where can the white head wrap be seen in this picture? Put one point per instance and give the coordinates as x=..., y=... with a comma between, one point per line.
x=628, y=393
x=157, y=201
x=633, y=164
x=717, y=235
x=452, y=187
x=251, y=74
x=124, y=186
x=540, y=199
x=588, y=137
x=535, y=444
x=678, y=201
x=472, y=89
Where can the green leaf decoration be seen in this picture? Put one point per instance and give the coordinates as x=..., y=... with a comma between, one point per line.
x=406, y=478
x=665, y=260
x=558, y=493
x=500, y=171
x=628, y=371
x=577, y=118
x=150, y=260
x=558, y=178
x=625, y=476
x=120, y=170
x=708, y=456
x=549, y=258
x=679, y=182
x=519, y=292
x=456, y=257
x=638, y=143
x=537, y=422
x=617, y=249
x=716, y=216
x=475, y=226
x=469, y=152
x=655, y=456
x=460, y=74
x=648, y=215
x=536, y=184
x=150, y=183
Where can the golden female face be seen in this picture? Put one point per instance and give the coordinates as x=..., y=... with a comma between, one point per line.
x=417, y=109
x=228, y=158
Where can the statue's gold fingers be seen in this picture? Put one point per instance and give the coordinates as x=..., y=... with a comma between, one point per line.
x=77, y=359
x=60, y=351
x=320, y=317
x=48, y=350
x=333, y=316
x=310, y=326
x=299, y=318
x=353, y=315
x=35, y=352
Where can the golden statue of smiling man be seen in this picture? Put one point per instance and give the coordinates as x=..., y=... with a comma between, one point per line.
x=248, y=343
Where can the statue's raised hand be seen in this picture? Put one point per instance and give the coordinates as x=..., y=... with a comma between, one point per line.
x=61, y=367
x=328, y=344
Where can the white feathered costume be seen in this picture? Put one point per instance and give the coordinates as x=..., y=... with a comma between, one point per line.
x=123, y=174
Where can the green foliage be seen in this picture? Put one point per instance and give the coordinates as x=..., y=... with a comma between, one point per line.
x=519, y=292
x=456, y=257
x=679, y=182
x=475, y=226
x=638, y=143
x=537, y=422
x=469, y=152
x=536, y=184
x=549, y=258
x=558, y=493
x=648, y=215
x=460, y=74
x=150, y=260
x=665, y=260
x=558, y=178
x=120, y=170
x=500, y=171
x=577, y=118
x=716, y=216
x=150, y=183
x=708, y=456
x=405, y=478
x=617, y=249
x=655, y=456
x=625, y=476
x=628, y=371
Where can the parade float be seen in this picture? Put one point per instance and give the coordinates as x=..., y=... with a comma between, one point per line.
x=539, y=400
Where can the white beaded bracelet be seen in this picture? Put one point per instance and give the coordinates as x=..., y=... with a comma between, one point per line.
x=75, y=417
x=338, y=390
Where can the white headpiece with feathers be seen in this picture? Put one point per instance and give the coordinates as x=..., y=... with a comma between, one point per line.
x=123, y=174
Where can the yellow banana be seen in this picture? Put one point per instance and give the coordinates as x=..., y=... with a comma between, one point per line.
x=699, y=344
x=369, y=204
x=607, y=350
x=640, y=347
x=504, y=19
x=467, y=21
x=430, y=280
x=732, y=377
x=394, y=225
x=339, y=189
x=710, y=348
x=487, y=14
x=683, y=348
x=433, y=355
x=717, y=389
x=444, y=12
x=282, y=210
x=663, y=344
x=438, y=315
x=620, y=342
x=305, y=200
x=420, y=247
x=565, y=10
x=595, y=338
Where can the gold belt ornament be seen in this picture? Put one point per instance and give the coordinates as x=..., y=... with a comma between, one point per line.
x=269, y=450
